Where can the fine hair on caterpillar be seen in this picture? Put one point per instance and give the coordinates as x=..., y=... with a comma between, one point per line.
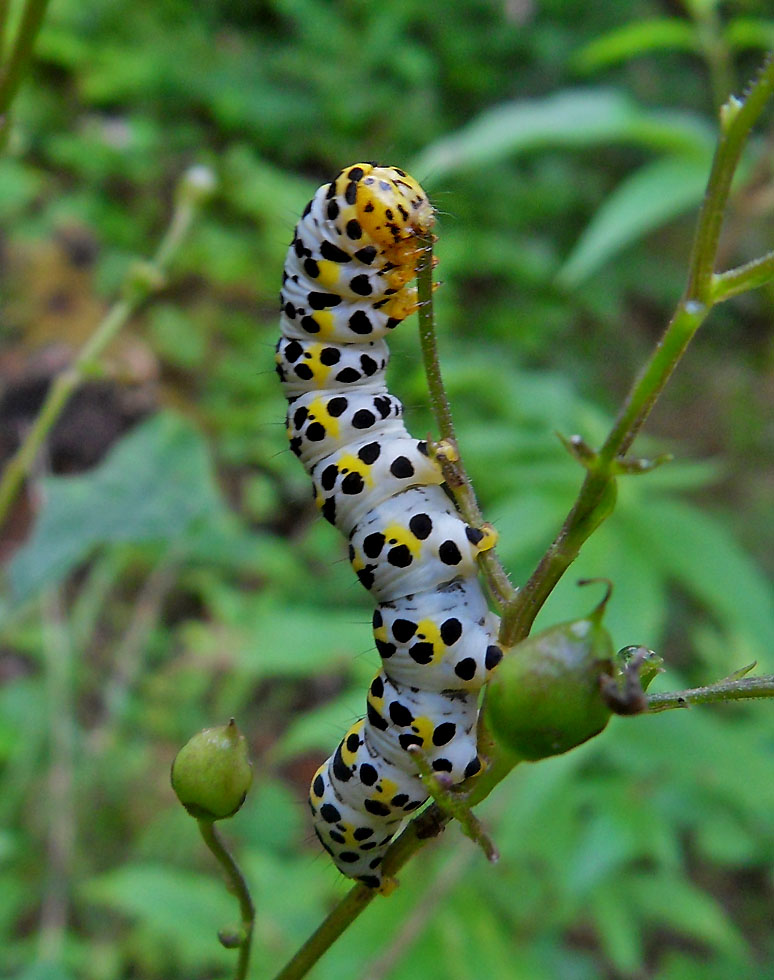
x=345, y=288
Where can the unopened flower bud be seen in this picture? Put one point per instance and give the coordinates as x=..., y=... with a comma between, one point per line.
x=212, y=773
x=198, y=184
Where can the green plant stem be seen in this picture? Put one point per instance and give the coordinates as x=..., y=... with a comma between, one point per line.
x=348, y=909
x=715, y=49
x=745, y=277
x=439, y=402
x=4, y=11
x=419, y=832
x=597, y=495
x=100, y=578
x=60, y=806
x=725, y=690
x=236, y=884
x=129, y=652
x=141, y=281
x=12, y=72
x=398, y=946
x=736, y=121
x=595, y=500
x=456, y=476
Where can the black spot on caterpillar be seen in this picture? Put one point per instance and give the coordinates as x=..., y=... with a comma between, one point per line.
x=345, y=286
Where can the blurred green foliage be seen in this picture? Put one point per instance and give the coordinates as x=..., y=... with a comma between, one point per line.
x=185, y=578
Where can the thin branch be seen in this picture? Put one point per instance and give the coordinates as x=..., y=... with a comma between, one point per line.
x=340, y=918
x=128, y=654
x=12, y=73
x=737, y=118
x=414, y=924
x=60, y=805
x=237, y=885
x=751, y=275
x=142, y=280
x=453, y=468
x=5, y=7
x=87, y=606
x=597, y=495
x=725, y=690
x=715, y=49
x=439, y=401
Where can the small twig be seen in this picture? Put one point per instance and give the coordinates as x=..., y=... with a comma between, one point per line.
x=439, y=402
x=128, y=653
x=236, y=884
x=714, y=48
x=142, y=280
x=597, y=495
x=751, y=275
x=736, y=118
x=329, y=930
x=453, y=803
x=60, y=804
x=729, y=689
x=5, y=6
x=87, y=606
x=454, y=471
x=414, y=925
x=12, y=72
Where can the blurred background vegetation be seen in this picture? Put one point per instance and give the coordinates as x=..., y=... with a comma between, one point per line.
x=165, y=570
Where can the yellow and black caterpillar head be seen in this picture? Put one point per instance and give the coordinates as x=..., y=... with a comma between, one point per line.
x=345, y=287
x=352, y=255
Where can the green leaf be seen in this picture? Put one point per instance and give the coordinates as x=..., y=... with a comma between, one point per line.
x=19, y=185
x=647, y=199
x=181, y=908
x=313, y=730
x=575, y=118
x=44, y=970
x=618, y=927
x=640, y=37
x=267, y=639
x=690, y=910
x=704, y=558
x=750, y=32
x=606, y=846
x=152, y=486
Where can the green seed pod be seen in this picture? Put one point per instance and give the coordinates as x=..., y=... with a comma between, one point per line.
x=545, y=697
x=212, y=773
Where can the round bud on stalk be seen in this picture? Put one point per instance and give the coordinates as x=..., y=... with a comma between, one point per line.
x=212, y=773
x=231, y=937
x=546, y=697
x=198, y=184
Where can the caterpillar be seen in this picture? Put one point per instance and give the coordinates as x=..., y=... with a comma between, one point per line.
x=345, y=287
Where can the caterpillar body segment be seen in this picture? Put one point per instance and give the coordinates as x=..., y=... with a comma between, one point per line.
x=345, y=288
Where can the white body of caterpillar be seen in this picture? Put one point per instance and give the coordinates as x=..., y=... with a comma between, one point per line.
x=344, y=288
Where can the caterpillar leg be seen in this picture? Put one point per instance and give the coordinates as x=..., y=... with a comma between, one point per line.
x=483, y=538
x=453, y=803
x=405, y=302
